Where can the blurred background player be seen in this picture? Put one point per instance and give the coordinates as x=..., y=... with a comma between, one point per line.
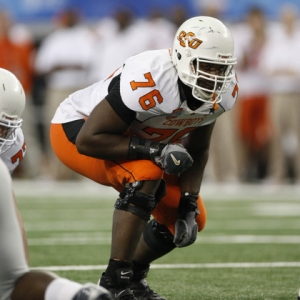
x=126, y=130
x=253, y=123
x=281, y=64
x=64, y=60
x=120, y=31
x=16, y=47
x=222, y=165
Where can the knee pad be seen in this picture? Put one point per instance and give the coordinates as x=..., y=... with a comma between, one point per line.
x=158, y=237
x=137, y=202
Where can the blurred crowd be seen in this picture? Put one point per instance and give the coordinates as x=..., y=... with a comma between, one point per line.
x=256, y=142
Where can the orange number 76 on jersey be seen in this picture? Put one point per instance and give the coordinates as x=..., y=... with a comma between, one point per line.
x=148, y=100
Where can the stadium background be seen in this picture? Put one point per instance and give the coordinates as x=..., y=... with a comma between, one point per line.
x=250, y=247
x=31, y=11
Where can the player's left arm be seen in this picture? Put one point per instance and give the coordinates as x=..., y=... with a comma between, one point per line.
x=197, y=144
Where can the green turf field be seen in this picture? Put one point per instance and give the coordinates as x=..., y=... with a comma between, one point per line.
x=250, y=248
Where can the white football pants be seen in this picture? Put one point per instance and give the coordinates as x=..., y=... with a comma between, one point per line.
x=12, y=257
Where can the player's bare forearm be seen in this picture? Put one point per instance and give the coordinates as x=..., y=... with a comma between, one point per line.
x=191, y=179
x=105, y=146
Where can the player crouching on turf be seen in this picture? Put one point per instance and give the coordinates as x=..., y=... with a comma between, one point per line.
x=145, y=131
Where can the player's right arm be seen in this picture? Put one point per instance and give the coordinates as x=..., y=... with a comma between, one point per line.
x=102, y=134
x=102, y=137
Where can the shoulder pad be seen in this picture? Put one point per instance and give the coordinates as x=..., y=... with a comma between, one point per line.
x=149, y=81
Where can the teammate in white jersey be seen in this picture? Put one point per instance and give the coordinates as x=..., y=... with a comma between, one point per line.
x=145, y=131
x=12, y=144
x=17, y=282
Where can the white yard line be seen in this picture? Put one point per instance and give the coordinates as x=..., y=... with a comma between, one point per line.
x=183, y=266
x=220, y=239
x=209, y=190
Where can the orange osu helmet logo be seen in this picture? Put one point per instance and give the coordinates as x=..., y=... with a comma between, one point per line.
x=193, y=42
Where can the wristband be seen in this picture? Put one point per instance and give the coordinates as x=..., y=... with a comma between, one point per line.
x=140, y=148
x=187, y=204
x=188, y=194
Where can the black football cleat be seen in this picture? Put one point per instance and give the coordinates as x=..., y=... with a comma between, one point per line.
x=118, y=292
x=142, y=291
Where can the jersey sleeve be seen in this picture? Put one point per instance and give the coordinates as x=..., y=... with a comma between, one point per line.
x=149, y=82
x=115, y=101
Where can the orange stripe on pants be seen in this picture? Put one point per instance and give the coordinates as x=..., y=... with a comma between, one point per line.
x=116, y=174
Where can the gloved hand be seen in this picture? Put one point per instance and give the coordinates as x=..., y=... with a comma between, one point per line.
x=186, y=227
x=174, y=159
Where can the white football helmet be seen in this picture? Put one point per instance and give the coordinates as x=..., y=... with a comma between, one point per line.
x=203, y=56
x=12, y=104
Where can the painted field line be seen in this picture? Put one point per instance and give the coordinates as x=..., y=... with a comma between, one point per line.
x=210, y=190
x=221, y=239
x=183, y=266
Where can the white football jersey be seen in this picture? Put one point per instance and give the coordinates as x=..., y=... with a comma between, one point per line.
x=15, y=153
x=148, y=86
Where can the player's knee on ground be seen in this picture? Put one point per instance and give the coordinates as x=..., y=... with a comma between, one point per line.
x=138, y=203
x=158, y=237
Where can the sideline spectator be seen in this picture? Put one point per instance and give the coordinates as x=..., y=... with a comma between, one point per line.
x=282, y=64
x=16, y=47
x=253, y=107
x=123, y=40
x=222, y=165
x=158, y=30
x=118, y=36
x=178, y=15
x=64, y=58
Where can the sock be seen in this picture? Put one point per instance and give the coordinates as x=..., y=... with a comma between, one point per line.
x=140, y=270
x=136, y=266
x=113, y=266
x=62, y=289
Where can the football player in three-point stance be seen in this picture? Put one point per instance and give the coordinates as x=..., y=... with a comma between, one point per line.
x=145, y=131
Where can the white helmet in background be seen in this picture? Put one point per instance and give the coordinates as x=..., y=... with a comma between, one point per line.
x=203, y=56
x=12, y=104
